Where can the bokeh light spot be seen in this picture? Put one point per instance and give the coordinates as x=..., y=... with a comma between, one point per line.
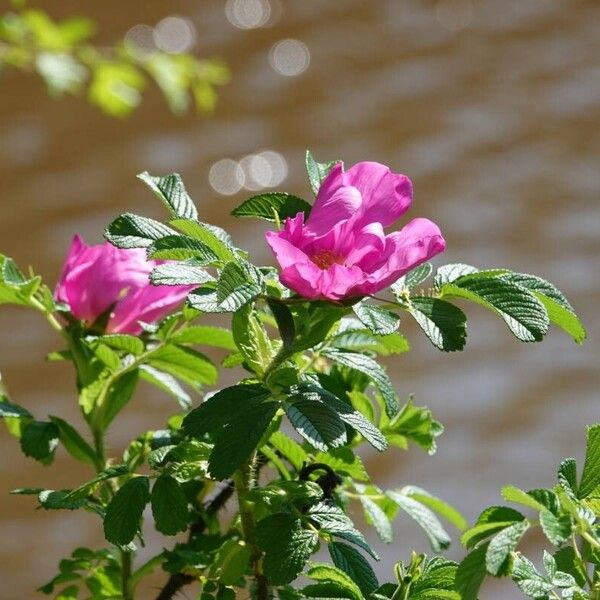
x=289, y=57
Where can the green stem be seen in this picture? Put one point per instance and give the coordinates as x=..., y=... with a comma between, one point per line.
x=241, y=481
x=582, y=562
x=126, y=575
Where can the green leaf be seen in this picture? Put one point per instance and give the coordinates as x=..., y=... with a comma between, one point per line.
x=8, y=409
x=169, y=506
x=376, y=515
x=352, y=562
x=290, y=449
x=443, y=323
x=171, y=191
x=471, y=573
x=59, y=500
x=556, y=528
x=567, y=476
x=530, y=582
x=133, y=231
x=376, y=319
x=216, y=412
x=316, y=422
x=285, y=321
x=327, y=573
x=417, y=276
x=430, y=524
x=189, y=272
x=522, y=312
x=287, y=546
x=15, y=288
x=317, y=171
x=359, y=340
x=231, y=562
x=560, y=311
x=490, y=521
x=75, y=445
x=514, y=494
x=436, y=504
x=124, y=512
x=236, y=443
x=186, y=364
x=180, y=247
x=251, y=339
x=86, y=488
x=590, y=478
x=272, y=206
x=205, y=335
x=39, y=440
x=237, y=285
x=344, y=462
x=567, y=561
x=119, y=393
x=214, y=237
x=502, y=544
x=414, y=423
x=450, y=273
x=372, y=369
x=121, y=341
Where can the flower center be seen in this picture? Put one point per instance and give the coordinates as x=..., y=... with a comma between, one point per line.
x=326, y=258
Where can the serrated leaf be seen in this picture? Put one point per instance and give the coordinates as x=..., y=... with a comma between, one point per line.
x=490, y=521
x=378, y=518
x=378, y=320
x=132, y=231
x=214, y=237
x=119, y=393
x=317, y=171
x=443, y=323
x=344, y=461
x=361, y=340
x=502, y=544
x=590, y=478
x=522, y=312
x=190, y=272
x=215, y=412
x=417, y=275
x=514, y=494
x=352, y=562
x=171, y=191
x=286, y=544
x=238, y=440
x=237, y=285
x=317, y=423
x=471, y=573
x=556, y=528
x=371, y=368
x=39, y=440
x=272, y=206
x=124, y=512
x=121, y=341
x=327, y=573
x=186, y=364
x=167, y=383
x=437, y=505
x=181, y=247
x=169, y=506
x=252, y=339
x=430, y=524
x=567, y=561
x=75, y=445
x=59, y=500
x=110, y=473
x=530, y=582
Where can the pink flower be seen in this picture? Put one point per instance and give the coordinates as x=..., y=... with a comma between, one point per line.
x=94, y=278
x=342, y=250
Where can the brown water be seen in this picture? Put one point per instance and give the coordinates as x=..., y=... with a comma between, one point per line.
x=490, y=106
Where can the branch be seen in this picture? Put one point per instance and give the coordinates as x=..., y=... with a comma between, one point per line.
x=179, y=580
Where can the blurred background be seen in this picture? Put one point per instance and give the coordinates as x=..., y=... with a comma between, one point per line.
x=492, y=108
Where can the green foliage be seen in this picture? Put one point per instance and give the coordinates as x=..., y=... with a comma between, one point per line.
x=310, y=369
x=62, y=54
x=317, y=171
x=272, y=206
x=124, y=512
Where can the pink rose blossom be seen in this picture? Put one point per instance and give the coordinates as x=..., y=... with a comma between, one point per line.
x=342, y=250
x=94, y=278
